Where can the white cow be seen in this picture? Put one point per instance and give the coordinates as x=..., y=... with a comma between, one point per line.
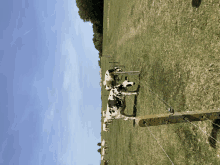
x=105, y=128
x=116, y=102
x=104, y=160
x=107, y=120
x=119, y=92
x=120, y=116
x=104, y=151
x=103, y=143
x=117, y=95
x=104, y=113
x=108, y=115
x=121, y=89
x=126, y=83
x=110, y=78
x=117, y=114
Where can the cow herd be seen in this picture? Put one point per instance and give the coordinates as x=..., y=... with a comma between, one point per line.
x=103, y=151
x=116, y=101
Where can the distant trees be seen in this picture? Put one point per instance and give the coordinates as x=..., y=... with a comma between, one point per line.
x=92, y=10
x=99, y=62
x=97, y=27
x=97, y=40
x=99, y=150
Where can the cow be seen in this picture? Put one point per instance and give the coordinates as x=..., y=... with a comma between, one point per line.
x=119, y=114
x=103, y=143
x=116, y=103
x=106, y=162
x=107, y=121
x=110, y=78
x=104, y=113
x=104, y=151
x=117, y=95
x=105, y=128
x=121, y=89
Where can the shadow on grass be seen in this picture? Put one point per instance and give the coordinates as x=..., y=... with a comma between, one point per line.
x=135, y=102
x=134, y=108
x=216, y=127
x=135, y=105
x=170, y=84
x=189, y=139
x=129, y=143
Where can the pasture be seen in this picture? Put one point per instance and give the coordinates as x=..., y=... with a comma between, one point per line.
x=177, y=49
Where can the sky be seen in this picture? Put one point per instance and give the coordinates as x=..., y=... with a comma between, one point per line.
x=50, y=94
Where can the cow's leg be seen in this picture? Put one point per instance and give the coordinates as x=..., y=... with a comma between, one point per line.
x=129, y=93
x=129, y=118
x=126, y=83
x=116, y=78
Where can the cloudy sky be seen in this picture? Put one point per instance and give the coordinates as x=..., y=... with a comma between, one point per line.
x=50, y=95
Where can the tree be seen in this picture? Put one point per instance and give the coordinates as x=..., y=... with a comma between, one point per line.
x=92, y=10
x=99, y=150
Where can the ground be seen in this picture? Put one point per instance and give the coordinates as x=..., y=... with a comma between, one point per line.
x=176, y=48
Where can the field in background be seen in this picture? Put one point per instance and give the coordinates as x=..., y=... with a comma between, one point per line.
x=176, y=48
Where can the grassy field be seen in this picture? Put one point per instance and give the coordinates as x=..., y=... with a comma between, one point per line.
x=176, y=48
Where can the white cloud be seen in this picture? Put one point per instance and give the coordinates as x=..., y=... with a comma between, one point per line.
x=71, y=65
x=2, y=150
x=53, y=100
x=73, y=137
x=50, y=112
x=76, y=19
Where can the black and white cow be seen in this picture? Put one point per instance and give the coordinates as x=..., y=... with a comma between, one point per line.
x=110, y=78
x=116, y=101
x=105, y=127
x=117, y=94
x=106, y=162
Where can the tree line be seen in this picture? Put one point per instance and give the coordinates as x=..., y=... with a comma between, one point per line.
x=92, y=11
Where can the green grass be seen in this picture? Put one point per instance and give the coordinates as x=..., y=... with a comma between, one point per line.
x=176, y=48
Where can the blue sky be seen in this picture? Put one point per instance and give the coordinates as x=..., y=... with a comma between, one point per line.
x=50, y=94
